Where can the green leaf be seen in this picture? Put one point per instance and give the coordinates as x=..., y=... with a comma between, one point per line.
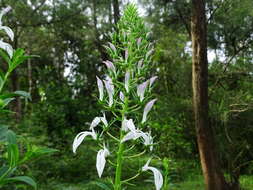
x=24, y=179
x=18, y=58
x=11, y=137
x=102, y=185
x=23, y=94
x=13, y=155
x=5, y=56
x=5, y=102
x=3, y=132
x=3, y=170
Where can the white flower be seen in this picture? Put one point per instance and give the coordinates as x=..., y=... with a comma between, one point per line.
x=100, y=88
x=95, y=122
x=3, y=12
x=8, y=31
x=152, y=80
x=147, y=108
x=148, y=140
x=128, y=125
x=100, y=165
x=127, y=78
x=157, y=175
x=110, y=65
x=131, y=135
x=121, y=96
x=7, y=47
x=103, y=119
x=80, y=137
x=110, y=89
x=141, y=90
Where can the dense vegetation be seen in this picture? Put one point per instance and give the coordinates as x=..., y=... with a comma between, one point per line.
x=69, y=38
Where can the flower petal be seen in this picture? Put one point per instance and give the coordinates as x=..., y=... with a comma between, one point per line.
x=103, y=119
x=7, y=47
x=152, y=80
x=80, y=137
x=121, y=96
x=157, y=175
x=126, y=54
x=147, y=108
x=110, y=65
x=112, y=46
x=131, y=135
x=141, y=90
x=8, y=31
x=110, y=90
x=100, y=88
x=95, y=122
x=127, y=78
x=148, y=140
x=100, y=164
x=3, y=12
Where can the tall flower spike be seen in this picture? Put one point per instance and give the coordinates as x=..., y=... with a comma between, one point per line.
x=147, y=109
x=141, y=90
x=100, y=89
x=110, y=89
x=127, y=78
x=110, y=65
x=100, y=165
x=80, y=137
x=157, y=175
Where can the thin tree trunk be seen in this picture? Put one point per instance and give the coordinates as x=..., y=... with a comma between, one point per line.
x=17, y=102
x=214, y=179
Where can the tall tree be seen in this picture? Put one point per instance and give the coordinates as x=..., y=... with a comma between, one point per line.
x=214, y=178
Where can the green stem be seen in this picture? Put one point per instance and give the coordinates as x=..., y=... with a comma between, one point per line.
x=4, y=81
x=117, y=183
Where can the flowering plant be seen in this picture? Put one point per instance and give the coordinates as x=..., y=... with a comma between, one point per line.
x=125, y=95
x=13, y=158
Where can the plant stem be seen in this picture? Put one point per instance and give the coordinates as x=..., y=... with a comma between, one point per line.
x=117, y=183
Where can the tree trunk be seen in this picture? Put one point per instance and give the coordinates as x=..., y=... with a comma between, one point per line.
x=17, y=102
x=214, y=179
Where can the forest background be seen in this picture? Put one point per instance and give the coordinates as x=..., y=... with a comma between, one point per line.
x=69, y=38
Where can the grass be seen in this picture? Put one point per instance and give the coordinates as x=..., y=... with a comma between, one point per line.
x=193, y=182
